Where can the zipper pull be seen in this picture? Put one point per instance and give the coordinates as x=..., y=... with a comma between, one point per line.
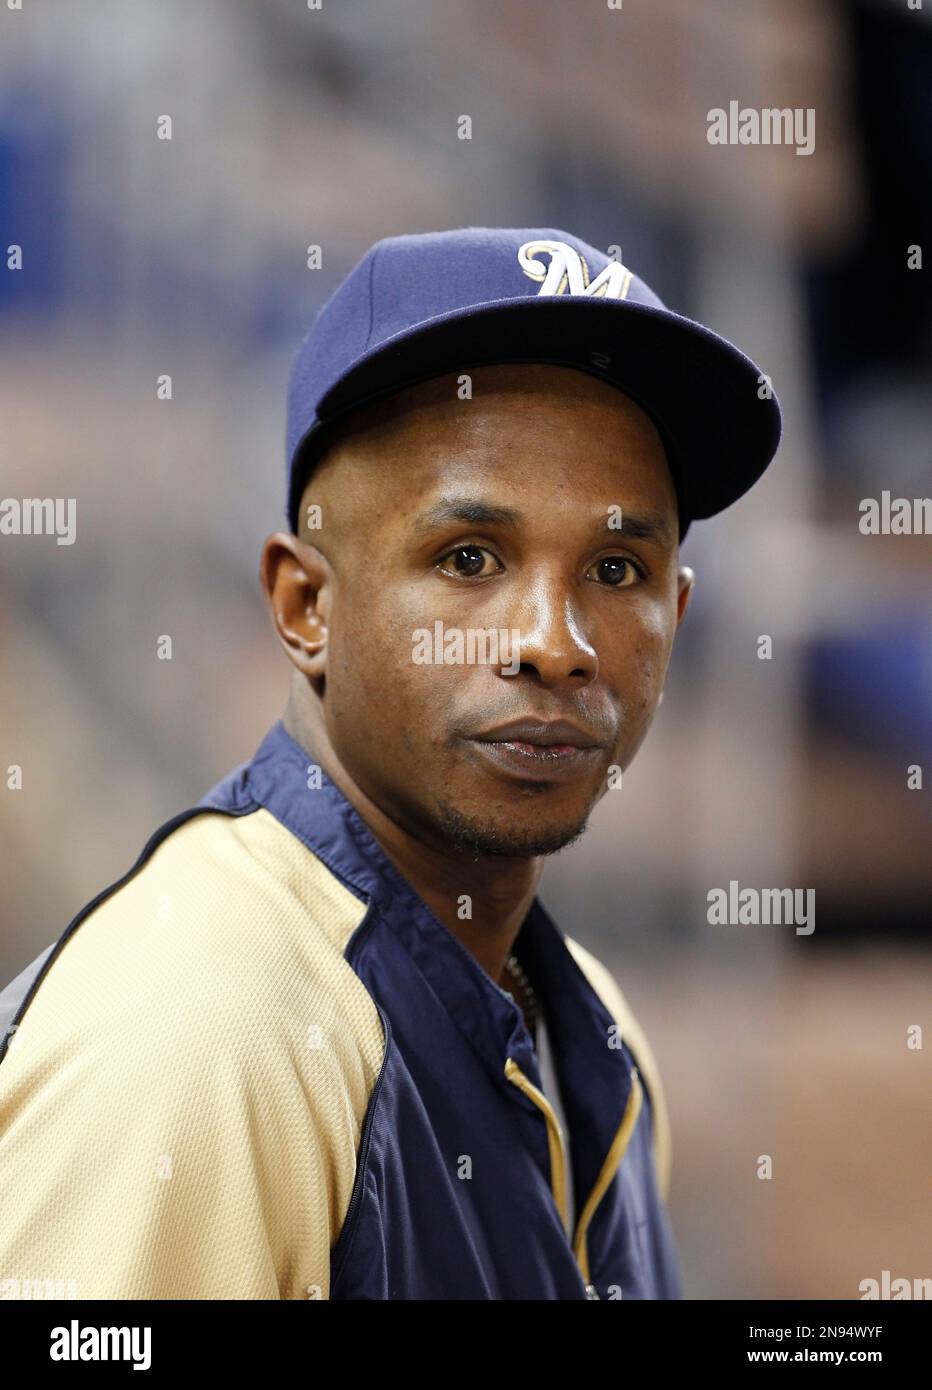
x=592, y=1292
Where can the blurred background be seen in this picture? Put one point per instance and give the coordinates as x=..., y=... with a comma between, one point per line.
x=334, y=127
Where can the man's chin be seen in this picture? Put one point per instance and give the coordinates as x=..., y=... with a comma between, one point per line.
x=480, y=836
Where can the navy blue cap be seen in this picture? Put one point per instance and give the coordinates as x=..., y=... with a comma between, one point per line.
x=422, y=305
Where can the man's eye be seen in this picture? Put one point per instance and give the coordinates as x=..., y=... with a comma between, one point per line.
x=468, y=561
x=617, y=572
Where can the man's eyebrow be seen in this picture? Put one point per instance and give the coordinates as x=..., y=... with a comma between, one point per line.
x=471, y=510
x=646, y=526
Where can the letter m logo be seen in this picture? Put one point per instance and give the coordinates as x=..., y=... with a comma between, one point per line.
x=565, y=271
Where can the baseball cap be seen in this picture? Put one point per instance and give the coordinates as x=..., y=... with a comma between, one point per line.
x=422, y=305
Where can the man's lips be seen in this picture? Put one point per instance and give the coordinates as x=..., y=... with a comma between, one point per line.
x=539, y=751
x=540, y=733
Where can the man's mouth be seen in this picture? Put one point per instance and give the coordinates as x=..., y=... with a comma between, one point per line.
x=538, y=750
x=541, y=733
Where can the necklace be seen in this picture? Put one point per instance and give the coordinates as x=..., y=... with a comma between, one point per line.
x=528, y=1000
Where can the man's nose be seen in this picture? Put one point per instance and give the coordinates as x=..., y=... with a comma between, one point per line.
x=553, y=644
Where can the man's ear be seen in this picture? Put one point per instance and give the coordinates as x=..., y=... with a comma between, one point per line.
x=685, y=580
x=297, y=581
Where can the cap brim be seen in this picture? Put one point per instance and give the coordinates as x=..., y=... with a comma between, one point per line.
x=721, y=424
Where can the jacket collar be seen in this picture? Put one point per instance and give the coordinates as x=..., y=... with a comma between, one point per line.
x=328, y=823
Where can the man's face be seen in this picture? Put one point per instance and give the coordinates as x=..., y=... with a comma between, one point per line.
x=496, y=513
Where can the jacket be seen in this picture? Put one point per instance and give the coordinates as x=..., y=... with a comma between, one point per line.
x=259, y=1067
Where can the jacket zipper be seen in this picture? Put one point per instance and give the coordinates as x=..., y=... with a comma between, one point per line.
x=558, y=1162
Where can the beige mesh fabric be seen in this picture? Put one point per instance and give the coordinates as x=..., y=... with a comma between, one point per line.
x=634, y=1037
x=181, y=1106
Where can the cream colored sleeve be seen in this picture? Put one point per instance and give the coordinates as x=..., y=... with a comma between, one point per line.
x=182, y=1103
x=633, y=1034
x=184, y=1155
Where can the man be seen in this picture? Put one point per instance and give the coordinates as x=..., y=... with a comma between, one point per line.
x=323, y=1040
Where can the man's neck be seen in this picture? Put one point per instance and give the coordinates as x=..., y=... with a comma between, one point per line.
x=499, y=891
